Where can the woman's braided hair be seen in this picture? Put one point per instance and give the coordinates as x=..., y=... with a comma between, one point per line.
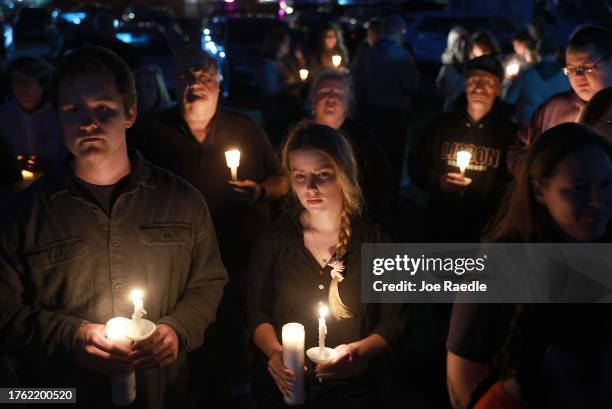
x=309, y=135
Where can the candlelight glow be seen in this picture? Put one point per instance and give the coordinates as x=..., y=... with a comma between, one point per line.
x=463, y=160
x=512, y=69
x=232, y=158
x=27, y=175
x=303, y=74
x=336, y=60
x=136, y=296
x=323, y=310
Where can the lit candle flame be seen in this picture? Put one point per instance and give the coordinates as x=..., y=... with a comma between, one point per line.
x=27, y=175
x=512, y=69
x=232, y=158
x=336, y=60
x=463, y=160
x=323, y=310
x=303, y=74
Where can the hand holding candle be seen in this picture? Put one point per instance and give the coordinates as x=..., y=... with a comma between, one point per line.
x=233, y=161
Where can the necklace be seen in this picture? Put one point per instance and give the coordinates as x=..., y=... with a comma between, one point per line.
x=324, y=260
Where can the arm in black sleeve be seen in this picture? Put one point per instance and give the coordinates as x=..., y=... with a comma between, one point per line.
x=260, y=283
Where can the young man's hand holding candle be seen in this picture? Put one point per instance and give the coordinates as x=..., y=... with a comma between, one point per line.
x=96, y=352
x=158, y=350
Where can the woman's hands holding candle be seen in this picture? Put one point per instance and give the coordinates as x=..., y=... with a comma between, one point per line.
x=156, y=351
x=96, y=352
x=349, y=362
x=283, y=376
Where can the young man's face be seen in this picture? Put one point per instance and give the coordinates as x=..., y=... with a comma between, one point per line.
x=93, y=117
x=481, y=89
x=585, y=83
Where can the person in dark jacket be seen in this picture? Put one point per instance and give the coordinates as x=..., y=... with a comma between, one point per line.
x=330, y=96
x=589, y=69
x=92, y=229
x=461, y=204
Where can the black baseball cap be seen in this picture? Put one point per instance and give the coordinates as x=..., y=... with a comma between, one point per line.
x=487, y=63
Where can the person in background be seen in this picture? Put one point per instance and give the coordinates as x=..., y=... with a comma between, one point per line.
x=190, y=139
x=459, y=208
x=312, y=257
x=524, y=48
x=539, y=209
x=484, y=43
x=588, y=67
x=280, y=86
x=329, y=43
x=88, y=232
x=385, y=81
x=28, y=122
x=597, y=114
x=524, y=56
x=152, y=97
x=537, y=83
x=330, y=96
x=151, y=90
x=451, y=77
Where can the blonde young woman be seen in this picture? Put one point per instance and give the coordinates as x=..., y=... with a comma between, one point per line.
x=312, y=256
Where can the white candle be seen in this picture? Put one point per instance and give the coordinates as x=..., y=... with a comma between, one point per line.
x=124, y=385
x=303, y=74
x=336, y=60
x=463, y=160
x=232, y=158
x=293, y=358
x=322, y=329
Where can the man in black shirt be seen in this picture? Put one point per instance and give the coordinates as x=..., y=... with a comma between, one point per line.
x=460, y=207
x=190, y=140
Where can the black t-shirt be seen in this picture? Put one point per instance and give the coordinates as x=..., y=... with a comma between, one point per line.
x=103, y=195
x=478, y=331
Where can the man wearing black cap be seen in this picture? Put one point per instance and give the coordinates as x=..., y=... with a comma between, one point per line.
x=460, y=205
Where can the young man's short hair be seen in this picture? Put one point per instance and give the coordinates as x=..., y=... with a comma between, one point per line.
x=92, y=60
x=598, y=37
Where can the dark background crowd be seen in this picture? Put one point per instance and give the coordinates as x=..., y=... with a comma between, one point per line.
x=409, y=85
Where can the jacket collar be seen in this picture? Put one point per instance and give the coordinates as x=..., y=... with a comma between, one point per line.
x=59, y=179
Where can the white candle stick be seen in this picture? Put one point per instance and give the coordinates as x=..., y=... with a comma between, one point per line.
x=322, y=329
x=293, y=358
x=463, y=160
x=123, y=387
x=336, y=60
x=232, y=158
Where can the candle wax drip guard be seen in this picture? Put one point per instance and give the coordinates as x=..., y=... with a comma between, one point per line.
x=315, y=356
x=137, y=330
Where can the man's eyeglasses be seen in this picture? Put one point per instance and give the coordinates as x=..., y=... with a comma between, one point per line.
x=584, y=70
